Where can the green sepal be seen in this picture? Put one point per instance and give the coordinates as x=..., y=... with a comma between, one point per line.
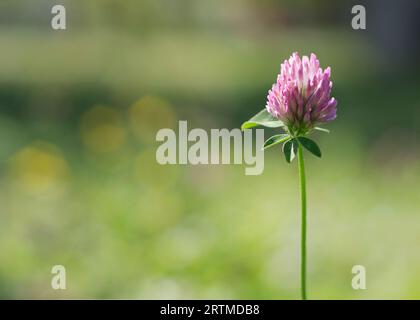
x=322, y=129
x=276, y=139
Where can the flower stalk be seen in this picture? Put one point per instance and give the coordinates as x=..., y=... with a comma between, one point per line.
x=302, y=184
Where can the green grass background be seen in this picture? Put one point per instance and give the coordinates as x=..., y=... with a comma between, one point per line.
x=80, y=187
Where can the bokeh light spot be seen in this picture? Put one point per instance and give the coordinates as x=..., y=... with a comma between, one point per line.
x=39, y=167
x=102, y=130
x=148, y=115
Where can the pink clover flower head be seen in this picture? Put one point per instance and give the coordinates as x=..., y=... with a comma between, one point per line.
x=301, y=97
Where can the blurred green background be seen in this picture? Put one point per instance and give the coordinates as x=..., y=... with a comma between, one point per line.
x=80, y=186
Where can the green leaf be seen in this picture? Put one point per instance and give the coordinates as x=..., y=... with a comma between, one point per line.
x=276, y=139
x=295, y=146
x=322, y=129
x=289, y=150
x=310, y=145
x=262, y=118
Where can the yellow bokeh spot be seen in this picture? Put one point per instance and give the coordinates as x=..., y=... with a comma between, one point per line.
x=102, y=129
x=39, y=167
x=148, y=115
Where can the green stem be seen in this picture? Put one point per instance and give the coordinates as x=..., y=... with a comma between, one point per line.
x=302, y=178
